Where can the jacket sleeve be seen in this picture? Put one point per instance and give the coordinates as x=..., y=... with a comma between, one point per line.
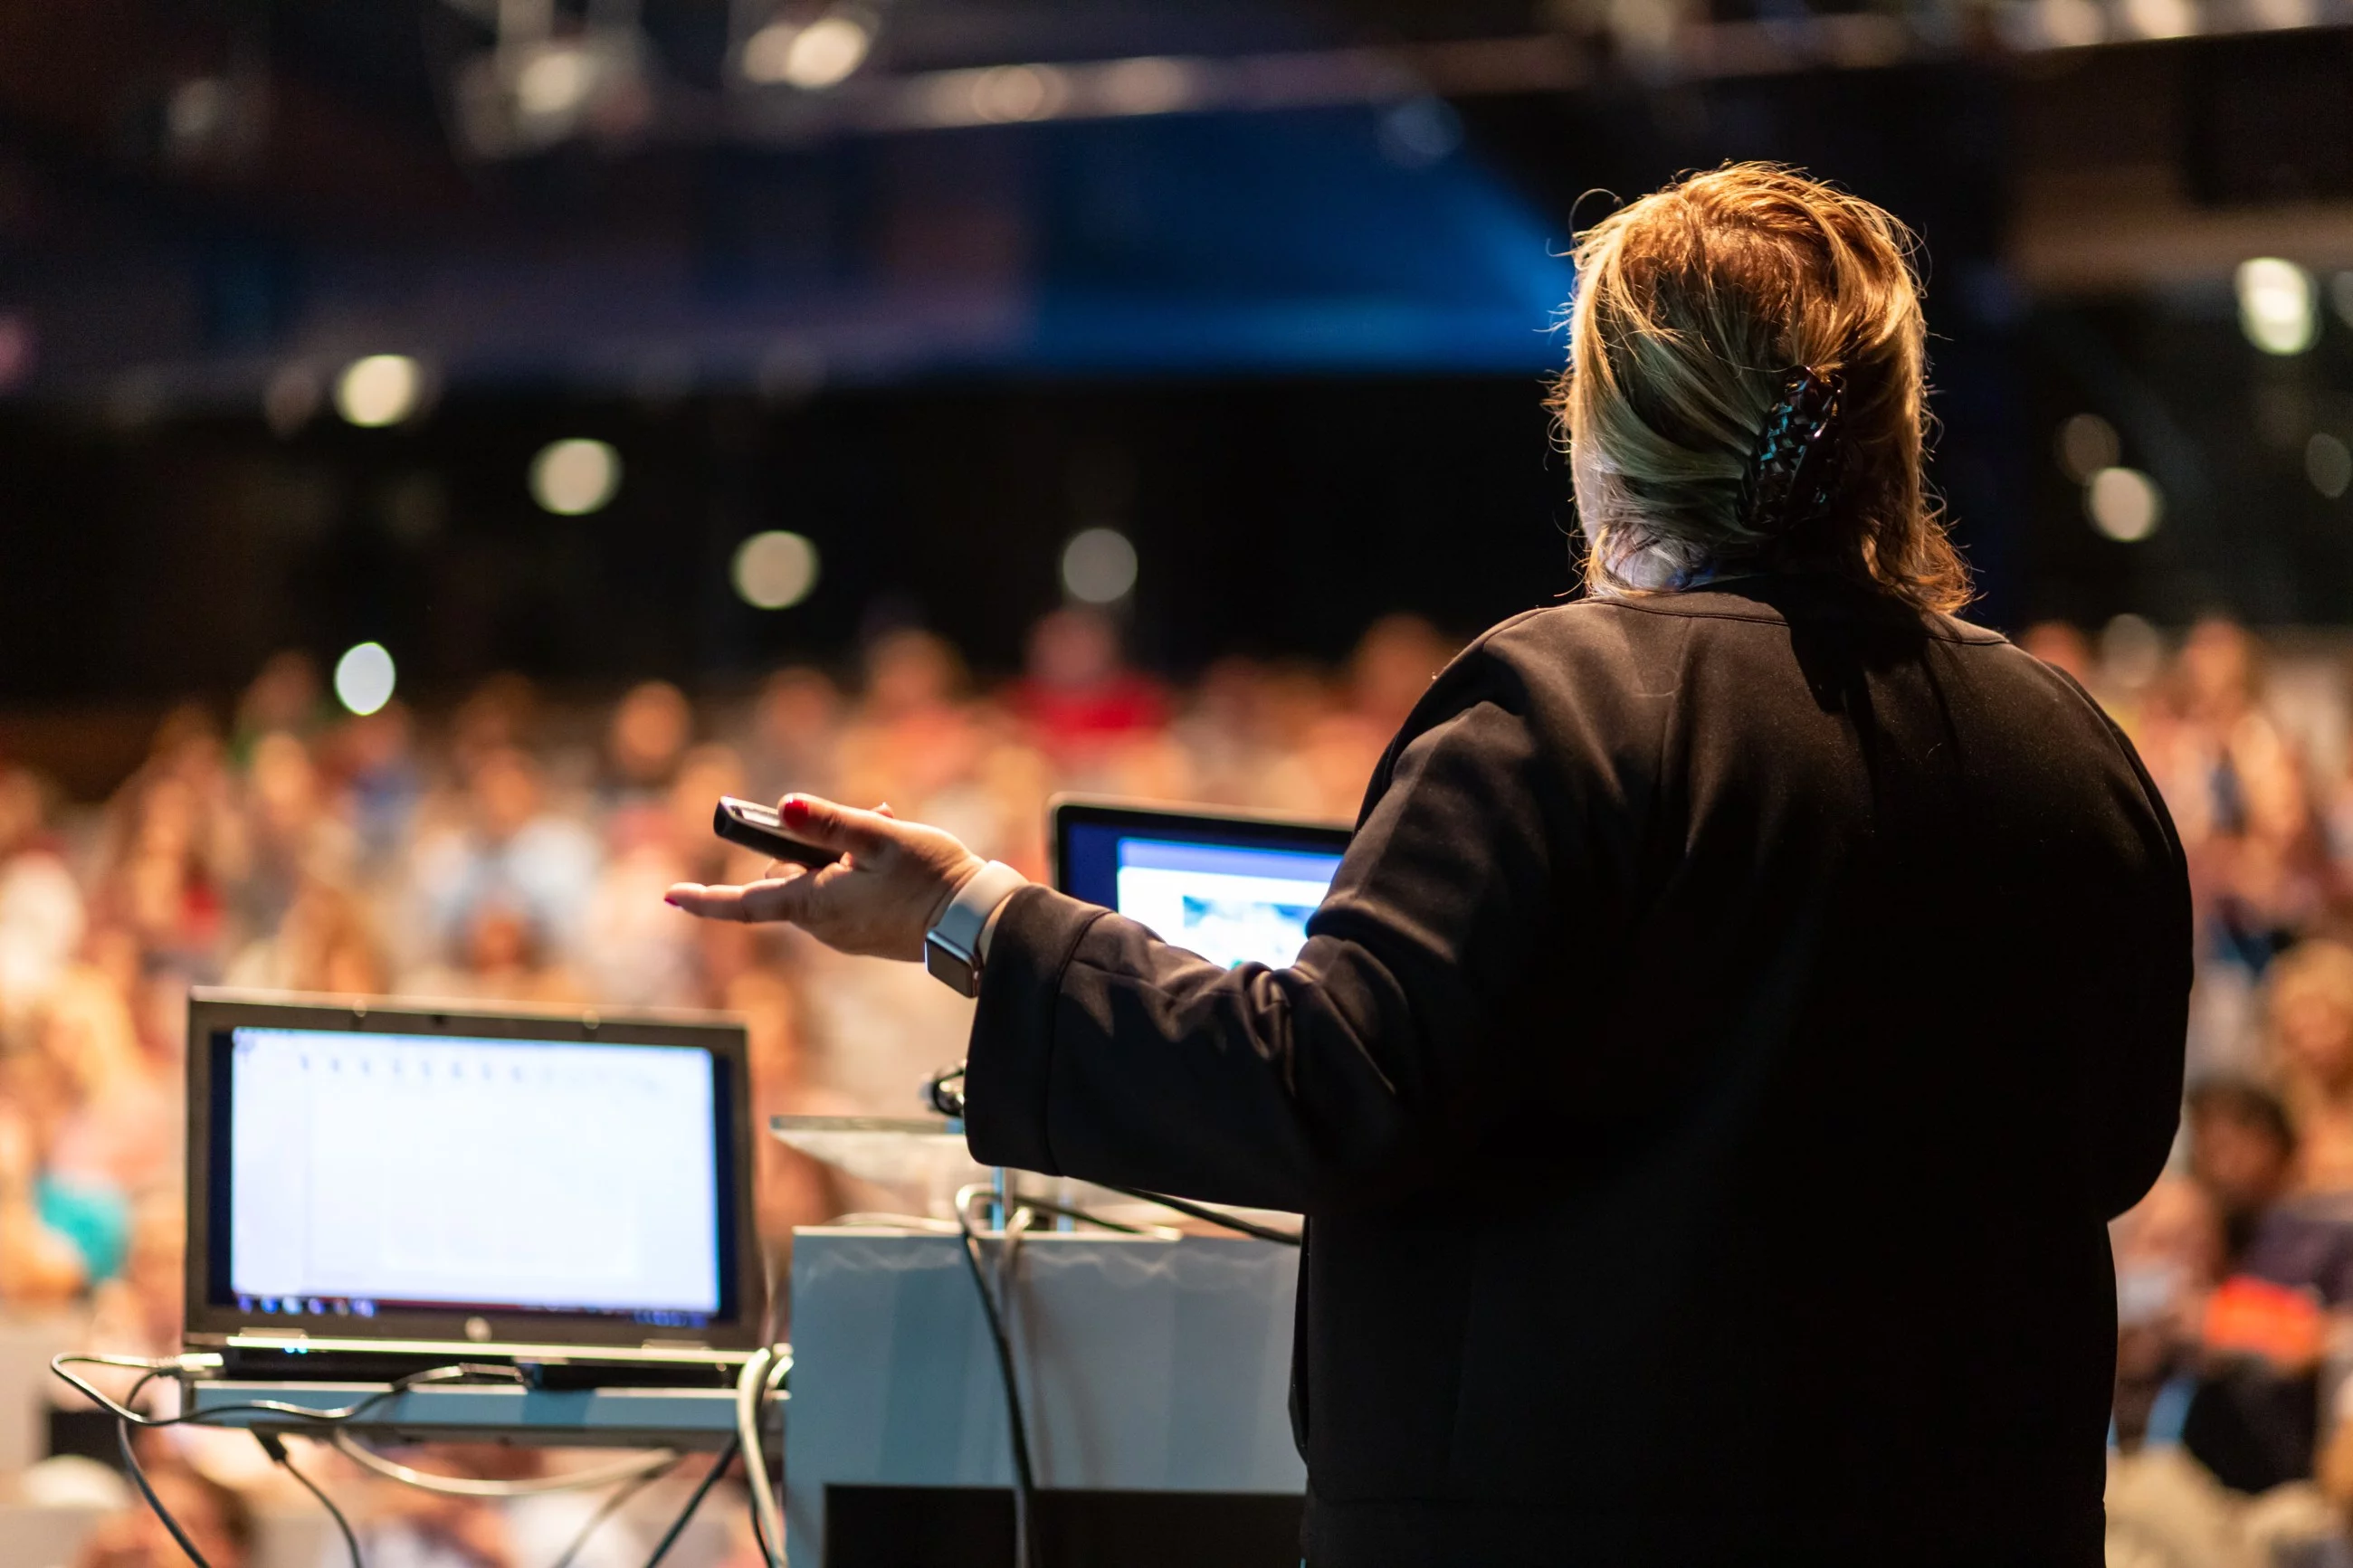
x=1101, y=1052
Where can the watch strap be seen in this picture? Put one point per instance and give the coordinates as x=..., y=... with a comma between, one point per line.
x=952, y=947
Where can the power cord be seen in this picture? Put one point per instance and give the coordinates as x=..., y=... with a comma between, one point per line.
x=138, y=1474
x=944, y=1092
x=768, y=1553
x=678, y=1526
x=127, y=1416
x=629, y=1470
x=1041, y=1205
x=1024, y=1483
x=457, y=1372
x=762, y=1374
x=1216, y=1216
x=613, y=1505
x=275, y=1447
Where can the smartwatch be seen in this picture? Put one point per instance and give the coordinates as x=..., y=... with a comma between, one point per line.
x=952, y=947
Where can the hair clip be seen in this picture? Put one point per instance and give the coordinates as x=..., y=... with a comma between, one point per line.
x=1794, y=469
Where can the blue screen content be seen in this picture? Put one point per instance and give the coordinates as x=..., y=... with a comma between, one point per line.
x=1231, y=904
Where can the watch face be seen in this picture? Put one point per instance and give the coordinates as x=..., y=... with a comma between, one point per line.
x=943, y=963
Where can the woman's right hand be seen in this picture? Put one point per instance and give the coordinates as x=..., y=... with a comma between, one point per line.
x=891, y=882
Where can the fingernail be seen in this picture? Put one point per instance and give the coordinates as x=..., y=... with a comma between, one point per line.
x=671, y=899
x=795, y=810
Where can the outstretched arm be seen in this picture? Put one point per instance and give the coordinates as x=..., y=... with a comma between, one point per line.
x=1099, y=1051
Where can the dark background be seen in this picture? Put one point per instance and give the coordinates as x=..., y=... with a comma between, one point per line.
x=1301, y=368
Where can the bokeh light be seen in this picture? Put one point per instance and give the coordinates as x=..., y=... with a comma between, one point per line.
x=556, y=80
x=2069, y=24
x=776, y=570
x=825, y=53
x=2084, y=445
x=380, y=390
x=768, y=52
x=364, y=678
x=2279, y=306
x=1098, y=565
x=2123, y=503
x=2329, y=464
x=575, y=477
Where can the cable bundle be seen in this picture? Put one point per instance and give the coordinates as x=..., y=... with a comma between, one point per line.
x=763, y=1376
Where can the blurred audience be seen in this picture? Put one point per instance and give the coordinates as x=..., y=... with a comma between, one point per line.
x=2241, y=1152
x=2235, y=1277
x=1078, y=699
x=2309, y=1036
x=512, y=849
x=41, y=911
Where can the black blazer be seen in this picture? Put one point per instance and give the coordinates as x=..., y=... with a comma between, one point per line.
x=1707, y=1081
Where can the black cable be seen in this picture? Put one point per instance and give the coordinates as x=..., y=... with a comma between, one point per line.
x=948, y=1101
x=147, y=1490
x=605, y=1510
x=126, y=1417
x=138, y=1474
x=678, y=1525
x=1025, y=1487
x=1081, y=1215
x=459, y=1372
x=275, y=1447
x=759, y=1488
x=768, y=1553
x=756, y=1476
x=1215, y=1217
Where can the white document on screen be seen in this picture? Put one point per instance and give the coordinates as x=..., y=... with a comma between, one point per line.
x=472, y=1173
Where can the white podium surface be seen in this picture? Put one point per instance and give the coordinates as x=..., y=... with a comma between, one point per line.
x=1145, y=1365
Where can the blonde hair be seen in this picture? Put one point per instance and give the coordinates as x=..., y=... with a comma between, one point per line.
x=1694, y=306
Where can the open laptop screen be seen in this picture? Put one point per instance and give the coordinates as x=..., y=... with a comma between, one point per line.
x=1235, y=890
x=377, y=1174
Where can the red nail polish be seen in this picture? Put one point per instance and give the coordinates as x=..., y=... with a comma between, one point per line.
x=795, y=811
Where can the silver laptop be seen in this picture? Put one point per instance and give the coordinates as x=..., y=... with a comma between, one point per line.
x=374, y=1185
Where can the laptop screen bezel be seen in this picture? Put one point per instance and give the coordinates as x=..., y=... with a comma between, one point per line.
x=213, y=1317
x=1181, y=824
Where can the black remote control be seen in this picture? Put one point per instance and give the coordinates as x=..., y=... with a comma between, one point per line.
x=757, y=826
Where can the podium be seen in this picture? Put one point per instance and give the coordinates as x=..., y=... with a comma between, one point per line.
x=1153, y=1373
